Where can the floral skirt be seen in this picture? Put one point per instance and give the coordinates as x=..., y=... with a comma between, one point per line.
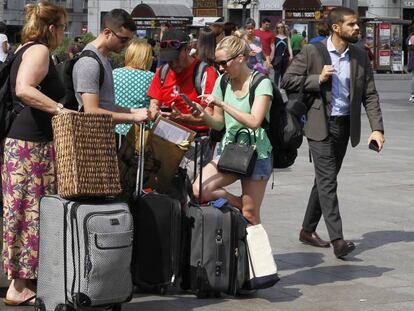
x=28, y=173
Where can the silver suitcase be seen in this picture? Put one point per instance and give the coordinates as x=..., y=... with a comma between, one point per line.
x=85, y=251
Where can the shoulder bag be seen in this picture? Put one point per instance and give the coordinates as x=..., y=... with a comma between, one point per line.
x=238, y=158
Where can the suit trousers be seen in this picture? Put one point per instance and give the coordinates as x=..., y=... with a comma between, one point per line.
x=327, y=155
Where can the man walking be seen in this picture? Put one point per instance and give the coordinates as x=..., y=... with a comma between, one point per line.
x=267, y=39
x=335, y=93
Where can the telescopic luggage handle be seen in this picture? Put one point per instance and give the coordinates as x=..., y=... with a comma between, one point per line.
x=140, y=167
x=199, y=143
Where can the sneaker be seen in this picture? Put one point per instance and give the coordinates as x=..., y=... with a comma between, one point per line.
x=411, y=98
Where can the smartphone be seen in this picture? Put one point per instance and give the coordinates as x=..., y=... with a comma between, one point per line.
x=165, y=109
x=188, y=101
x=373, y=145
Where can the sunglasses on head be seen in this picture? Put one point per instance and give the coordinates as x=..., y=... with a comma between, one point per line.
x=175, y=44
x=122, y=39
x=223, y=63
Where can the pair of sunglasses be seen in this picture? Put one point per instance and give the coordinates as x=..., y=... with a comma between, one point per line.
x=122, y=39
x=223, y=63
x=175, y=44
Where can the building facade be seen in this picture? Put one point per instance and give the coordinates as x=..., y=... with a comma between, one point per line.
x=86, y=15
x=12, y=13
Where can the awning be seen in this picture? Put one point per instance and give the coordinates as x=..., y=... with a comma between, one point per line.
x=302, y=4
x=161, y=10
x=152, y=15
x=201, y=21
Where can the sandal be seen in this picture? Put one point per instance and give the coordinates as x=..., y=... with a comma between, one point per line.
x=16, y=303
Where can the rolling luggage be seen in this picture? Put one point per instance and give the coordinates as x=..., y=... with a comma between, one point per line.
x=85, y=251
x=217, y=260
x=157, y=236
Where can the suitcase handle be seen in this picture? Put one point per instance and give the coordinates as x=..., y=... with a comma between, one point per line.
x=140, y=168
x=198, y=141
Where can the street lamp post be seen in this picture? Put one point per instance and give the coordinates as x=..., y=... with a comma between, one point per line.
x=244, y=4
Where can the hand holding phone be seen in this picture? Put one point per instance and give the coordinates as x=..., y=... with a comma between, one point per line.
x=188, y=101
x=373, y=145
x=165, y=109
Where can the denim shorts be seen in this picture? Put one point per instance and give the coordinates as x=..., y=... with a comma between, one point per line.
x=262, y=169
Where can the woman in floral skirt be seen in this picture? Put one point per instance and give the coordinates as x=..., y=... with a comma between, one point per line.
x=28, y=169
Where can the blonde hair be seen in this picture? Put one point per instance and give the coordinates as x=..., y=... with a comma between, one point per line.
x=234, y=46
x=139, y=55
x=284, y=27
x=38, y=19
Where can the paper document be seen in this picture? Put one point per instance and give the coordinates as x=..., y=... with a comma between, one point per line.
x=172, y=131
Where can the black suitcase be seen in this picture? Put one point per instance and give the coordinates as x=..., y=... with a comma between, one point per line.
x=216, y=258
x=157, y=235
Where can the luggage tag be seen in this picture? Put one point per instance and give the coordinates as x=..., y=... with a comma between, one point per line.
x=219, y=203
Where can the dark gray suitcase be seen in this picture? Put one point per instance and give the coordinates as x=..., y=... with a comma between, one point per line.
x=157, y=238
x=85, y=251
x=217, y=260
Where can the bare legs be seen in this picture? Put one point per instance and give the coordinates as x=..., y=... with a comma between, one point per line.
x=213, y=183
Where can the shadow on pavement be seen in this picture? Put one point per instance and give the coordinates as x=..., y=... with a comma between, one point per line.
x=376, y=239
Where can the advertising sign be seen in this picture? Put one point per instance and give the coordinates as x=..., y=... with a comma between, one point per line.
x=384, y=58
x=384, y=49
x=396, y=48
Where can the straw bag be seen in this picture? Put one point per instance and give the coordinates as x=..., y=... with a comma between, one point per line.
x=85, y=155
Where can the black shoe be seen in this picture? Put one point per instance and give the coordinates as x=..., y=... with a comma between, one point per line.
x=342, y=247
x=312, y=238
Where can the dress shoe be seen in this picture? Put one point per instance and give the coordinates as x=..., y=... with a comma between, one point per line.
x=312, y=238
x=342, y=247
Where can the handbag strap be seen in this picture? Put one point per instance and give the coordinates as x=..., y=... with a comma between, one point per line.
x=244, y=130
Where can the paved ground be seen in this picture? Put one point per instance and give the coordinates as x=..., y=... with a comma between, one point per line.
x=377, y=206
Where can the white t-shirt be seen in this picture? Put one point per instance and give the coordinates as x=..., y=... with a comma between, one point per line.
x=3, y=38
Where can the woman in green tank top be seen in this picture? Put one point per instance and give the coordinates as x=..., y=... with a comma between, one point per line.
x=234, y=112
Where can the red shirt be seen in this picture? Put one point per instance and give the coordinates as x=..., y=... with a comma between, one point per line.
x=266, y=39
x=183, y=82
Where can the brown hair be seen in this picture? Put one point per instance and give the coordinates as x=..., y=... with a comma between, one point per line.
x=336, y=16
x=38, y=19
x=139, y=55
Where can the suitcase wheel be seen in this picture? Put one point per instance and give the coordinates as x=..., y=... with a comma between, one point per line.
x=200, y=294
x=216, y=294
x=163, y=290
x=39, y=305
x=63, y=307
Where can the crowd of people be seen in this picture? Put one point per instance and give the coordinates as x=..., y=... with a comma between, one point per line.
x=134, y=94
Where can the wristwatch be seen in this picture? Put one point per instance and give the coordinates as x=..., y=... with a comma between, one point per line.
x=59, y=108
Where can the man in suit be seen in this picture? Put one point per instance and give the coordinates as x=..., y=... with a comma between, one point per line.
x=334, y=94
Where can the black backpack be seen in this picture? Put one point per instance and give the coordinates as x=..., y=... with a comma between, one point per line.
x=65, y=70
x=285, y=126
x=9, y=109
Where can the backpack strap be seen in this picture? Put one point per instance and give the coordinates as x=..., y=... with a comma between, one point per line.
x=163, y=73
x=223, y=84
x=90, y=53
x=198, y=73
x=257, y=78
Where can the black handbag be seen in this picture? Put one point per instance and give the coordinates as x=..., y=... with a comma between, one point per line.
x=238, y=158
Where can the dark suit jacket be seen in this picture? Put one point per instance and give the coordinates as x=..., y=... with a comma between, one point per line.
x=309, y=63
